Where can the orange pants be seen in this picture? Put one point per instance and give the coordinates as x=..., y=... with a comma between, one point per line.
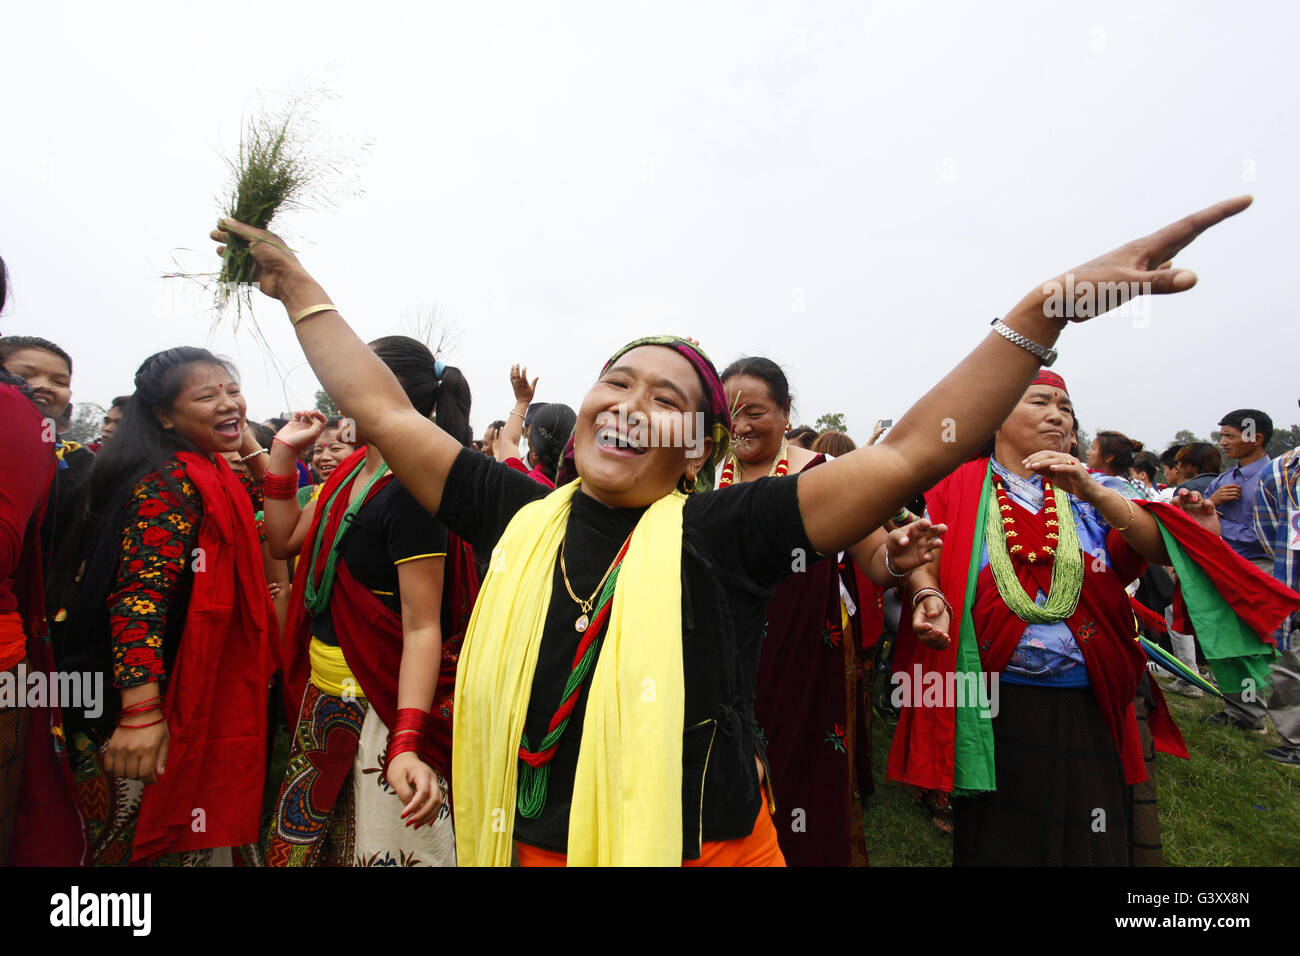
x=758, y=849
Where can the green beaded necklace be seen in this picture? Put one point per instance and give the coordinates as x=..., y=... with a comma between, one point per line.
x=317, y=597
x=1067, y=566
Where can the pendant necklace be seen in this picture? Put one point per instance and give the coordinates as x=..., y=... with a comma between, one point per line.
x=584, y=619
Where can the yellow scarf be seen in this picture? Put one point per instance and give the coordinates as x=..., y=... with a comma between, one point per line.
x=627, y=791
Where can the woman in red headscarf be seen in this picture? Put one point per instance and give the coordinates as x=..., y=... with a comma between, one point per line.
x=1021, y=700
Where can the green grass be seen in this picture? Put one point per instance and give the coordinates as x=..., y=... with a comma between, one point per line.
x=1226, y=806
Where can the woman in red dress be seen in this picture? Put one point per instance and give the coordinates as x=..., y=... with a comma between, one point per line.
x=172, y=609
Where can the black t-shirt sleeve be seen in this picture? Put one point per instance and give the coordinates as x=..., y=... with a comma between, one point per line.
x=409, y=530
x=481, y=496
x=755, y=528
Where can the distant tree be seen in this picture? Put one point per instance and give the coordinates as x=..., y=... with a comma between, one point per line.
x=1283, y=440
x=1183, y=436
x=432, y=325
x=832, y=422
x=325, y=405
x=87, y=419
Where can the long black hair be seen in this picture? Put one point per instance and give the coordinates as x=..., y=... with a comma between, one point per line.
x=141, y=444
x=547, y=435
x=432, y=387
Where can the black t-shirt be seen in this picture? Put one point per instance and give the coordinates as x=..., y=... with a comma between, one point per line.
x=389, y=529
x=736, y=544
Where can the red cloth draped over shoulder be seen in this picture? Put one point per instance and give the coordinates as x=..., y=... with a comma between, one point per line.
x=1258, y=598
x=215, y=701
x=923, y=748
x=48, y=830
x=537, y=474
x=29, y=469
x=369, y=632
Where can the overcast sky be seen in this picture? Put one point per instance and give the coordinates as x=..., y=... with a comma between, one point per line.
x=852, y=189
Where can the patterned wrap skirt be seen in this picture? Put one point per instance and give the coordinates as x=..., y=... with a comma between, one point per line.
x=335, y=808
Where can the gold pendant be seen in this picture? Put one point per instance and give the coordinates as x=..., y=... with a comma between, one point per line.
x=580, y=624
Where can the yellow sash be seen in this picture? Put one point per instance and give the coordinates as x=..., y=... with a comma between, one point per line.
x=329, y=671
x=627, y=792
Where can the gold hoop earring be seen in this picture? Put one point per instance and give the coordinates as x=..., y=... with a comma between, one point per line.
x=688, y=488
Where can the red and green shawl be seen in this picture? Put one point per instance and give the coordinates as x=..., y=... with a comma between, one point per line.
x=368, y=631
x=951, y=748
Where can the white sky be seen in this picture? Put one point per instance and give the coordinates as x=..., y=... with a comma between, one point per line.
x=853, y=189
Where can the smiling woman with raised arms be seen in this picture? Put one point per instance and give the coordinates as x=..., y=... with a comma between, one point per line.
x=605, y=692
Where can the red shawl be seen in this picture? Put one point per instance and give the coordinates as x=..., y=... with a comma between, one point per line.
x=369, y=632
x=215, y=701
x=1258, y=598
x=48, y=830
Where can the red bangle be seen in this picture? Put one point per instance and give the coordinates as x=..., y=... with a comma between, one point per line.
x=279, y=487
x=138, y=726
x=409, y=734
x=141, y=708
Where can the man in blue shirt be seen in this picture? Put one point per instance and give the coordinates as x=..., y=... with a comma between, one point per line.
x=1277, y=522
x=1244, y=435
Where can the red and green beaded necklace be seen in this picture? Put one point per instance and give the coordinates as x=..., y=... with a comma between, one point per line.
x=535, y=765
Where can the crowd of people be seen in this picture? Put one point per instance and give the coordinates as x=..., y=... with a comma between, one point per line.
x=642, y=631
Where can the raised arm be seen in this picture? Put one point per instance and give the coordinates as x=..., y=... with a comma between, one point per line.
x=507, y=442
x=286, y=523
x=416, y=449
x=843, y=500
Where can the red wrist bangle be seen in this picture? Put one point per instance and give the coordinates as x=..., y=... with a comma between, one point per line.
x=138, y=726
x=140, y=708
x=279, y=487
x=409, y=734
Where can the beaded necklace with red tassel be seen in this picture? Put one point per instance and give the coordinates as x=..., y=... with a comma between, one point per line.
x=1047, y=553
x=779, y=467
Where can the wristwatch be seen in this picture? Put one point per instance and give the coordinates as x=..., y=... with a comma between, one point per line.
x=1046, y=356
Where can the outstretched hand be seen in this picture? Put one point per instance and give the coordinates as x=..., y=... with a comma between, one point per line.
x=523, y=389
x=301, y=431
x=1143, y=266
x=930, y=622
x=913, y=545
x=1199, y=508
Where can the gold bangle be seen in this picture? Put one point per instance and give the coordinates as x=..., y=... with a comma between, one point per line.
x=1132, y=515
x=312, y=310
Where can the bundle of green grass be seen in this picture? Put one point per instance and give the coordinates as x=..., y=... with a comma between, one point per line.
x=270, y=174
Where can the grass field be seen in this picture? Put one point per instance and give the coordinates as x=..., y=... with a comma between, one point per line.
x=1226, y=806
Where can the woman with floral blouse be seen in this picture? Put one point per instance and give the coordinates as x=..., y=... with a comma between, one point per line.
x=172, y=607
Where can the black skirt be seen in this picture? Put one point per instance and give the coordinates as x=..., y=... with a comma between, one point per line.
x=1061, y=797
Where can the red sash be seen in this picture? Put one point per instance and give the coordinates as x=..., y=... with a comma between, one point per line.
x=1258, y=598
x=215, y=701
x=368, y=631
